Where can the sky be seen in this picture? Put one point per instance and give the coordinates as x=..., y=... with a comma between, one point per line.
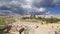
x=29, y=7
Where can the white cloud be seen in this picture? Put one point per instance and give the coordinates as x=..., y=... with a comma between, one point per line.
x=27, y=6
x=49, y=12
x=29, y=2
x=42, y=9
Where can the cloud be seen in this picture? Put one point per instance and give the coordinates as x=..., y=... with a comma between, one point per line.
x=42, y=9
x=38, y=3
x=23, y=7
x=49, y=12
x=47, y=3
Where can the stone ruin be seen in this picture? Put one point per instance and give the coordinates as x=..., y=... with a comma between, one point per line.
x=36, y=29
x=23, y=29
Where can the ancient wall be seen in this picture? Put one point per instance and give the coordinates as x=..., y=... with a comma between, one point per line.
x=32, y=28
